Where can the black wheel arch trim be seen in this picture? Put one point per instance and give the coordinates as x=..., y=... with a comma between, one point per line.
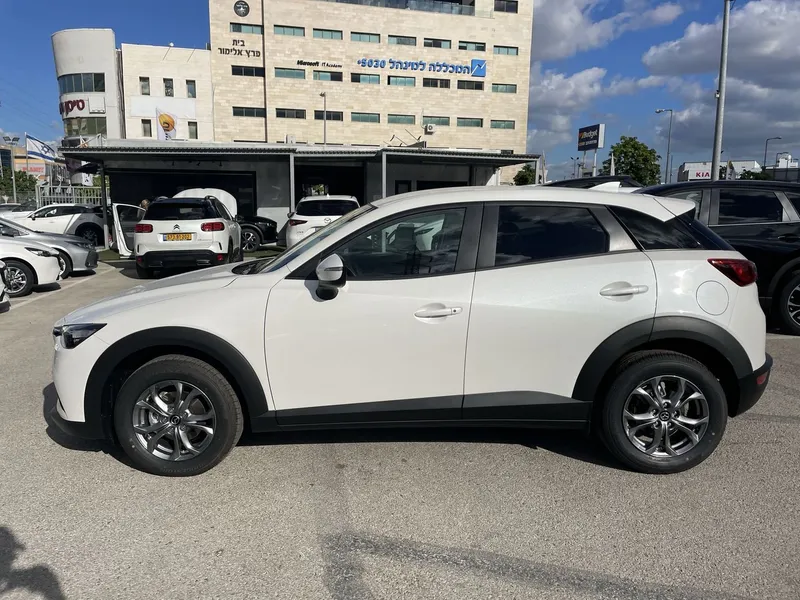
x=638, y=334
x=789, y=267
x=98, y=404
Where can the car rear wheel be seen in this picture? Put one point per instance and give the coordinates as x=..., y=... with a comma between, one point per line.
x=251, y=240
x=789, y=306
x=65, y=264
x=664, y=412
x=177, y=416
x=20, y=278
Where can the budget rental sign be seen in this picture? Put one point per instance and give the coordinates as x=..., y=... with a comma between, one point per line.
x=592, y=137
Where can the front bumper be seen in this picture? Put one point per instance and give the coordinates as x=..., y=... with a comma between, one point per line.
x=77, y=429
x=752, y=387
x=180, y=259
x=84, y=260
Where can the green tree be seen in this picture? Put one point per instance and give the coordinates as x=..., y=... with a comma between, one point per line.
x=634, y=158
x=25, y=183
x=525, y=176
x=755, y=175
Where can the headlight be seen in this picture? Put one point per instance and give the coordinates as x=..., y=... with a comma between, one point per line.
x=72, y=335
x=39, y=252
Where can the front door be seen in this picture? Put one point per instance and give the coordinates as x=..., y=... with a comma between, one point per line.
x=126, y=216
x=393, y=340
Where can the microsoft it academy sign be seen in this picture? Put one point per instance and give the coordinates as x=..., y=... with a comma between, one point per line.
x=477, y=68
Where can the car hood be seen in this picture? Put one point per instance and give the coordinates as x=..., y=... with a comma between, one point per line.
x=158, y=291
x=59, y=238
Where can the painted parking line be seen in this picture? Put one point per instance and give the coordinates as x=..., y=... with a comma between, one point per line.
x=16, y=305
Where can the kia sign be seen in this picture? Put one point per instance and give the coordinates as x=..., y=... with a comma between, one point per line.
x=68, y=106
x=591, y=138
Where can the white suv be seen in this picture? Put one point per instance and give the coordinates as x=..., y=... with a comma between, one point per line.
x=585, y=310
x=316, y=212
x=186, y=232
x=83, y=220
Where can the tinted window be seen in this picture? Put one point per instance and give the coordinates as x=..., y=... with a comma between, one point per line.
x=794, y=198
x=421, y=244
x=695, y=196
x=653, y=234
x=325, y=208
x=535, y=233
x=748, y=206
x=180, y=211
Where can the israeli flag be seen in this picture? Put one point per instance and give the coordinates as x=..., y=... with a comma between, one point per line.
x=38, y=149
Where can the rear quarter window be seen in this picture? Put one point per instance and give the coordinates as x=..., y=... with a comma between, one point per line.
x=679, y=233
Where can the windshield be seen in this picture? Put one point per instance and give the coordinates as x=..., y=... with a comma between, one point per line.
x=325, y=208
x=267, y=265
x=183, y=210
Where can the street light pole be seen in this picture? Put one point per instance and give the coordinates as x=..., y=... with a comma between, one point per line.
x=13, y=143
x=574, y=165
x=723, y=77
x=766, y=144
x=324, y=119
x=667, y=170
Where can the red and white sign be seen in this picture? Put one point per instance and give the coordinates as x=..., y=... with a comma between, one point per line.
x=68, y=106
x=701, y=175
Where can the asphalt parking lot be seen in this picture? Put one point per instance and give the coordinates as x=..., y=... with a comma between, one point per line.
x=408, y=514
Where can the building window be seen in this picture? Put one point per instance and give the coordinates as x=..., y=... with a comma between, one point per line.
x=327, y=75
x=470, y=85
x=246, y=111
x=509, y=50
x=243, y=28
x=402, y=119
x=430, y=82
x=84, y=126
x=498, y=124
x=504, y=88
x=144, y=86
x=404, y=81
x=192, y=130
x=82, y=82
x=364, y=78
x=290, y=73
x=373, y=38
x=508, y=6
x=290, y=113
x=191, y=88
x=441, y=121
x=462, y=122
x=333, y=115
x=359, y=117
x=147, y=128
x=472, y=46
x=328, y=34
x=169, y=88
x=436, y=43
x=247, y=71
x=288, y=30
x=402, y=40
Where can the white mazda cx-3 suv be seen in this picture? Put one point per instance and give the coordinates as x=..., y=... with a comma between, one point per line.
x=585, y=310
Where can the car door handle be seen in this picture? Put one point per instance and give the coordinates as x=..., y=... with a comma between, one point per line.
x=437, y=313
x=614, y=290
x=789, y=237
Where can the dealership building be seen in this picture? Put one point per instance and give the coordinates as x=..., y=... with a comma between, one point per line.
x=348, y=83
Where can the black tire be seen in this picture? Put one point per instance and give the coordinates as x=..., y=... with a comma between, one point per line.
x=66, y=264
x=16, y=268
x=143, y=272
x=218, y=391
x=240, y=254
x=787, y=293
x=253, y=241
x=632, y=373
x=91, y=233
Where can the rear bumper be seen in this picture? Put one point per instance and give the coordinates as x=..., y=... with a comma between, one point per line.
x=180, y=258
x=752, y=387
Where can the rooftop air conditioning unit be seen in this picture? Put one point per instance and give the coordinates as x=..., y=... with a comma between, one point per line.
x=291, y=139
x=430, y=128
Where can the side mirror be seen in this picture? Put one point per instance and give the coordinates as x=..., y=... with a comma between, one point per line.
x=32, y=217
x=288, y=215
x=331, y=276
x=8, y=232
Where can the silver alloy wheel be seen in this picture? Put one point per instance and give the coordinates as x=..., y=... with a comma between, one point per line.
x=249, y=241
x=174, y=420
x=16, y=279
x=665, y=416
x=793, y=304
x=62, y=265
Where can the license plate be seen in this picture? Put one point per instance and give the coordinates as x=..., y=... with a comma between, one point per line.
x=177, y=237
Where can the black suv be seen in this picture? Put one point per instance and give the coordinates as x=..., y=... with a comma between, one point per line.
x=257, y=231
x=761, y=219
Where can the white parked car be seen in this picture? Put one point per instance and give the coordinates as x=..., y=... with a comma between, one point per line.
x=184, y=232
x=28, y=264
x=82, y=220
x=585, y=310
x=315, y=212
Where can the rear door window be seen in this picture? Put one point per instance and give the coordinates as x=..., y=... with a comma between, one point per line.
x=325, y=208
x=527, y=234
x=739, y=207
x=180, y=211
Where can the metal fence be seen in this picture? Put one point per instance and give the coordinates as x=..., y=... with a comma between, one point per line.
x=70, y=195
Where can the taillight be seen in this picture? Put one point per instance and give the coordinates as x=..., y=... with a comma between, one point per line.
x=296, y=222
x=143, y=228
x=213, y=226
x=740, y=271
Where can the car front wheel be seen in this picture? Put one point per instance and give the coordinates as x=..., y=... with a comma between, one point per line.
x=789, y=306
x=664, y=412
x=177, y=416
x=251, y=240
x=65, y=264
x=20, y=278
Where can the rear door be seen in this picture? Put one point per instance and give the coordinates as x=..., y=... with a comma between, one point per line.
x=553, y=282
x=126, y=216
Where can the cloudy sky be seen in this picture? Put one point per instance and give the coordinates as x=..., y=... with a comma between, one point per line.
x=616, y=61
x=610, y=61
